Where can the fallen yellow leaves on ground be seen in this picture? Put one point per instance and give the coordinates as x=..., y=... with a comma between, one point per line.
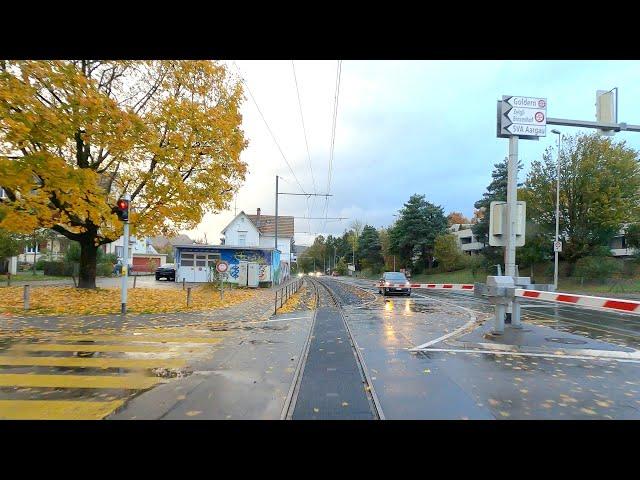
x=292, y=302
x=62, y=300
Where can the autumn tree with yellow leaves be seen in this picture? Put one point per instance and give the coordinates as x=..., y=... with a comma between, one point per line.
x=77, y=135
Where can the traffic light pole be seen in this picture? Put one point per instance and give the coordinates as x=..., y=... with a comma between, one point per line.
x=125, y=264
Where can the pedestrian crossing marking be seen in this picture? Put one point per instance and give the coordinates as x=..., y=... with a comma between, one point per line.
x=139, y=339
x=132, y=363
x=55, y=347
x=56, y=409
x=127, y=382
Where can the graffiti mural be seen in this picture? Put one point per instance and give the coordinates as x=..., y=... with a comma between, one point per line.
x=233, y=256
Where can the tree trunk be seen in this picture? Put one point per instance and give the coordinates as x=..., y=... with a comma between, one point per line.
x=88, y=259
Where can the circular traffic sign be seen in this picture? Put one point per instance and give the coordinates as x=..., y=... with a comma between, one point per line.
x=539, y=116
x=542, y=103
x=222, y=267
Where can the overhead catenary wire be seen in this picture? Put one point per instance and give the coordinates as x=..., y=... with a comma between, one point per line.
x=306, y=142
x=333, y=138
x=244, y=82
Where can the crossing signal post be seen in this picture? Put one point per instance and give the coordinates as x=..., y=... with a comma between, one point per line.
x=122, y=210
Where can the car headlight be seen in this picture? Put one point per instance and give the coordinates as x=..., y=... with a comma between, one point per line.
x=386, y=284
x=407, y=284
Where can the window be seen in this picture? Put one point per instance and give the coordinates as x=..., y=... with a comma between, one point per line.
x=201, y=260
x=242, y=239
x=186, y=260
x=31, y=249
x=119, y=251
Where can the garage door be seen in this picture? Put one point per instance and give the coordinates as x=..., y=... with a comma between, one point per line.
x=145, y=264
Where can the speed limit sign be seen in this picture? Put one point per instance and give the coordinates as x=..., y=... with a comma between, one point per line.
x=222, y=267
x=557, y=246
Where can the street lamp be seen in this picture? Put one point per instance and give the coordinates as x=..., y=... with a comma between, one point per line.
x=555, y=271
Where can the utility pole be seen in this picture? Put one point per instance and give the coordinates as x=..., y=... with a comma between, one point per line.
x=276, y=241
x=125, y=260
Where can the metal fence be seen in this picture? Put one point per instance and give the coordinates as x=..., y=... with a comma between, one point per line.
x=285, y=292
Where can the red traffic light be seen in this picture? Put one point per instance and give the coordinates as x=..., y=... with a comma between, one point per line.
x=122, y=209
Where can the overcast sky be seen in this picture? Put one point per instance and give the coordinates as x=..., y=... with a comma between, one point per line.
x=403, y=127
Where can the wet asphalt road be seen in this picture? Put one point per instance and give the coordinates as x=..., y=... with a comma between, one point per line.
x=239, y=370
x=471, y=385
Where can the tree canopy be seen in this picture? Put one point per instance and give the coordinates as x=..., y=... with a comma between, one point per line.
x=76, y=135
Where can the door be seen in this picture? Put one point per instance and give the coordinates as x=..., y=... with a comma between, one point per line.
x=187, y=266
x=253, y=272
x=201, y=272
x=242, y=274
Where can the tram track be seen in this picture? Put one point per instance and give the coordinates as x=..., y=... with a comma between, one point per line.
x=331, y=305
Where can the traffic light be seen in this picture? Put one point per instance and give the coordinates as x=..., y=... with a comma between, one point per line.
x=122, y=209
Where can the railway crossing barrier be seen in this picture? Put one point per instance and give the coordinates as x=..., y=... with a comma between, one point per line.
x=504, y=290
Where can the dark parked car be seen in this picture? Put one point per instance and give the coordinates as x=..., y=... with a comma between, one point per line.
x=168, y=271
x=394, y=282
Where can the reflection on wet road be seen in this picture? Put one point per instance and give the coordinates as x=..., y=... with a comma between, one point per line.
x=459, y=383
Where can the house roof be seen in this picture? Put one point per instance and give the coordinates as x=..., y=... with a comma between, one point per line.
x=267, y=225
x=219, y=247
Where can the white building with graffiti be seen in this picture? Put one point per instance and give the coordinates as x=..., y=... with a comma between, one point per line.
x=248, y=246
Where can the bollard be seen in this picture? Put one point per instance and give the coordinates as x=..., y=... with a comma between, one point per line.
x=27, y=291
x=135, y=277
x=9, y=279
x=515, y=315
x=189, y=297
x=275, y=307
x=183, y=283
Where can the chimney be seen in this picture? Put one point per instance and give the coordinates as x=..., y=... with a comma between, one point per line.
x=258, y=219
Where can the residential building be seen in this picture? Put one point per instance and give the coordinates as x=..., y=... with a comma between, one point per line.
x=467, y=240
x=259, y=231
x=143, y=257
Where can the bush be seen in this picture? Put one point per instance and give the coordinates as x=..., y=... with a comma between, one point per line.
x=476, y=263
x=104, y=269
x=73, y=254
x=597, y=268
x=111, y=258
x=40, y=264
x=58, y=269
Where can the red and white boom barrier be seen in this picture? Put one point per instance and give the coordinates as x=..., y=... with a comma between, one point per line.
x=625, y=306
x=438, y=286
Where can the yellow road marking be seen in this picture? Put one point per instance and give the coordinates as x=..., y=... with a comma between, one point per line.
x=56, y=409
x=92, y=362
x=52, y=347
x=139, y=338
x=130, y=382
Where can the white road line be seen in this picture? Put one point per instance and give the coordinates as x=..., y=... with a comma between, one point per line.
x=526, y=354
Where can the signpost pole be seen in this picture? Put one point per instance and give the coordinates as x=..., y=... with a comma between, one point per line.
x=512, y=194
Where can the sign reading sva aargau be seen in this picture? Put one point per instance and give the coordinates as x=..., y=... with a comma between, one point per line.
x=525, y=117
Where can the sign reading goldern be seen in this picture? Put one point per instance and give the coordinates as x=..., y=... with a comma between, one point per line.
x=525, y=117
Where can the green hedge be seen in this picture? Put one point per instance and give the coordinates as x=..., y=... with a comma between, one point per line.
x=58, y=269
x=597, y=268
x=104, y=269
